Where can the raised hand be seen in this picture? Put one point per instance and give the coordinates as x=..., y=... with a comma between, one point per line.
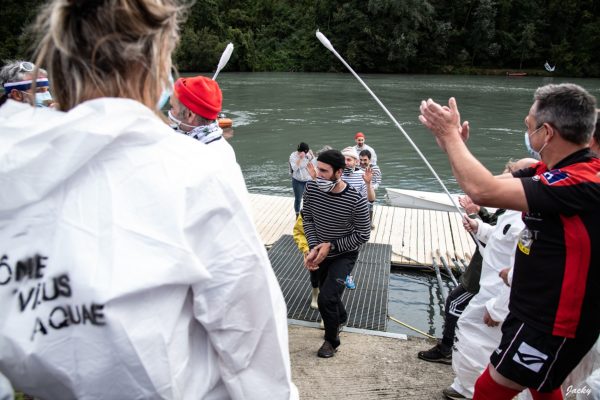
x=368, y=175
x=443, y=121
x=466, y=203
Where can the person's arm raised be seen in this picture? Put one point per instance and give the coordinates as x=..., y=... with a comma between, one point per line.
x=476, y=181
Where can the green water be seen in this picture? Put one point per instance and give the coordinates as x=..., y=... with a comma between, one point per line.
x=273, y=112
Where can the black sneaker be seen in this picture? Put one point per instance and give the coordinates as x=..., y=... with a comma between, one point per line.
x=437, y=354
x=326, y=350
x=452, y=394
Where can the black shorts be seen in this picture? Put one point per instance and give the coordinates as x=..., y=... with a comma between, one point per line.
x=536, y=359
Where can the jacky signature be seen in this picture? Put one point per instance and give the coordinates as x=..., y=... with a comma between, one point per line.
x=582, y=390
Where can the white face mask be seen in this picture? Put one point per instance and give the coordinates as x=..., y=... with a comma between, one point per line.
x=177, y=123
x=535, y=154
x=325, y=184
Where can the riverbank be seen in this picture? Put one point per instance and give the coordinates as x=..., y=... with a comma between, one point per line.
x=365, y=367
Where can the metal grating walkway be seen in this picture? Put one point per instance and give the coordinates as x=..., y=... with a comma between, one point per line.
x=366, y=306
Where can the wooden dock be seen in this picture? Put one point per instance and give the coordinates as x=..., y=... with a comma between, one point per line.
x=416, y=236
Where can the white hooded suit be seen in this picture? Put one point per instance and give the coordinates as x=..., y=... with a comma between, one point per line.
x=130, y=265
x=475, y=341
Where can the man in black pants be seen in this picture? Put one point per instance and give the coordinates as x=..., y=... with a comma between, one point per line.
x=336, y=223
x=460, y=296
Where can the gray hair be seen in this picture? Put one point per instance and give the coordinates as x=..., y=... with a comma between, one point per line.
x=13, y=71
x=108, y=48
x=183, y=110
x=567, y=107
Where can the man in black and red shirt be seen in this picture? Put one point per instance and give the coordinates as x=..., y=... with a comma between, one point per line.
x=555, y=298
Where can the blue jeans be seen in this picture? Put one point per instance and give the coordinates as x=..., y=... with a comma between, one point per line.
x=298, y=187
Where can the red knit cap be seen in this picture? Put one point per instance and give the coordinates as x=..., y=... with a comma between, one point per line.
x=359, y=134
x=201, y=95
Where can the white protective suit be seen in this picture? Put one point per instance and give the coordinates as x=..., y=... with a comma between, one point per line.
x=130, y=267
x=475, y=341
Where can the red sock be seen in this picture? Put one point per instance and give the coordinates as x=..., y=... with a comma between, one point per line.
x=556, y=394
x=487, y=389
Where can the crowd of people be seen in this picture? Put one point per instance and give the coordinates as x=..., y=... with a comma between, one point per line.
x=131, y=266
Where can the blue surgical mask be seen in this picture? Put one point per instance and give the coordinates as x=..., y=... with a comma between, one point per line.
x=534, y=153
x=43, y=99
x=326, y=185
x=166, y=93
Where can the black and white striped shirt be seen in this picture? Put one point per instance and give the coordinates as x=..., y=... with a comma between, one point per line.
x=355, y=179
x=340, y=218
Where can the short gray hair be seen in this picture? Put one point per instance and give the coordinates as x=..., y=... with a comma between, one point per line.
x=567, y=107
x=12, y=71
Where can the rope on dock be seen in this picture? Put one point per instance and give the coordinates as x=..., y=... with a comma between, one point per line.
x=411, y=327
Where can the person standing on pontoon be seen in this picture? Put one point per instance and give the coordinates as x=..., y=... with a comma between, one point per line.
x=299, y=163
x=364, y=158
x=359, y=139
x=336, y=223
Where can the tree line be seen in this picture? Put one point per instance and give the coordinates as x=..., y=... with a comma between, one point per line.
x=374, y=36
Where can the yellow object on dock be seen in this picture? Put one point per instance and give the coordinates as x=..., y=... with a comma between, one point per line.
x=413, y=234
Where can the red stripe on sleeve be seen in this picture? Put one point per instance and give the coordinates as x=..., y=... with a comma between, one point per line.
x=577, y=264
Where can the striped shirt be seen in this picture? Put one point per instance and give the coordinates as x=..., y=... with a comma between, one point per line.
x=376, y=181
x=355, y=179
x=340, y=218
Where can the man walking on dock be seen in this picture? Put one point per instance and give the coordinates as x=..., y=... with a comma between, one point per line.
x=336, y=224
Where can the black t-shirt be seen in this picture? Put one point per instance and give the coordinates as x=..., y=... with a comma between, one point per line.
x=556, y=285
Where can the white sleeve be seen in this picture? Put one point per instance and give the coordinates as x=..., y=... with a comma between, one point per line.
x=497, y=306
x=483, y=231
x=241, y=306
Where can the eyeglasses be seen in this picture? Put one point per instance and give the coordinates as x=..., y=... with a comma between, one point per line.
x=26, y=66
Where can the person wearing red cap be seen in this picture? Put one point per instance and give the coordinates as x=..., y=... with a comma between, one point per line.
x=195, y=106
x=359, y=138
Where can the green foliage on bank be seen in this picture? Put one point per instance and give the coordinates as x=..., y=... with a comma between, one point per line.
x=391, y=36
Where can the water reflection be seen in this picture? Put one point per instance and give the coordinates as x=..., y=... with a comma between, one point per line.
x=415, y=299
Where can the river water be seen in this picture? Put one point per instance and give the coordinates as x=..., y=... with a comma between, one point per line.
x=273, y=112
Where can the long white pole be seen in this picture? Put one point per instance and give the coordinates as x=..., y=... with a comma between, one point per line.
x=329, y=46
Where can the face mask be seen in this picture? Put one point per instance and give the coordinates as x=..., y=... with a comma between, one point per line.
x=535, y=154
x=42, y=99
x=166, y=93
x=325, y=184
x=348, y=171
x=177, y=123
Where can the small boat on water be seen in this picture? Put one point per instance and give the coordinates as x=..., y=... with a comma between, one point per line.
x=516, y=74
x=419, y=199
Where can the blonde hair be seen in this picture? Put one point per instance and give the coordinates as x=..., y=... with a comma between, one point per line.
x=107, y=48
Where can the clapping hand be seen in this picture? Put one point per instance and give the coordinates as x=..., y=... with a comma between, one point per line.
x=466, y=203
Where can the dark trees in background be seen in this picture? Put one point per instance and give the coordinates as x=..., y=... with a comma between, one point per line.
x=391, y=36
